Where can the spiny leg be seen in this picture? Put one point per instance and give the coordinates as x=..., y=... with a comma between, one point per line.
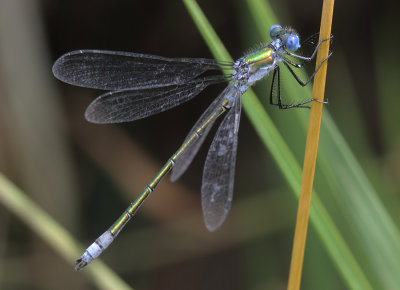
x=276, y=77
x=310, y=78
x=271, y=97
x=288, y=62
x=301, y=105
x=300, y=65
x=313, y=40
x=310, y=41
x=308, y=58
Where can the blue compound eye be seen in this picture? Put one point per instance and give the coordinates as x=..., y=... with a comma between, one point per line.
x=292, y=42
x=274, y=31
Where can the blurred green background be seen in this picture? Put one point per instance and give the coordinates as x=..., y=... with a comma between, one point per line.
x=84, y=175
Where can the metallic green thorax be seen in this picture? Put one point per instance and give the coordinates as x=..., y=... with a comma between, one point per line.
x=260, y=57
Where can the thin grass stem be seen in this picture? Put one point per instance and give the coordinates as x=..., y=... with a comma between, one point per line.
x=310, y=156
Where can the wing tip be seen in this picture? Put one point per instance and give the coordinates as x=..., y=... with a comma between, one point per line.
x=91, y=114
x=213, y=222
x=56, y=68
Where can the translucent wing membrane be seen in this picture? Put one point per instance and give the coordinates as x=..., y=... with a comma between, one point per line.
x=185, y=159
x=114, y=70
x=130, y=105
x=219, y=170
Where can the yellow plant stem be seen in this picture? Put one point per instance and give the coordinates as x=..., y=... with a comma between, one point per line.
x=310, y=156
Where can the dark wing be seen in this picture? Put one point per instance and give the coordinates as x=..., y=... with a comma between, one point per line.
x=114, y=70
x=133, y=104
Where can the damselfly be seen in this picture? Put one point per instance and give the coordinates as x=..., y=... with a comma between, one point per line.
x=141, y=85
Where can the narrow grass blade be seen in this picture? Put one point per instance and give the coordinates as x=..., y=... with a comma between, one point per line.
x=343, y=258
x=54, y=234
x=369, y=230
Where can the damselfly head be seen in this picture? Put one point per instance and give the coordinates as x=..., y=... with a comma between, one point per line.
x=289, y=38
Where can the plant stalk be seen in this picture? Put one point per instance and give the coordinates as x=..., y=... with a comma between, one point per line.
x=310, y=156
